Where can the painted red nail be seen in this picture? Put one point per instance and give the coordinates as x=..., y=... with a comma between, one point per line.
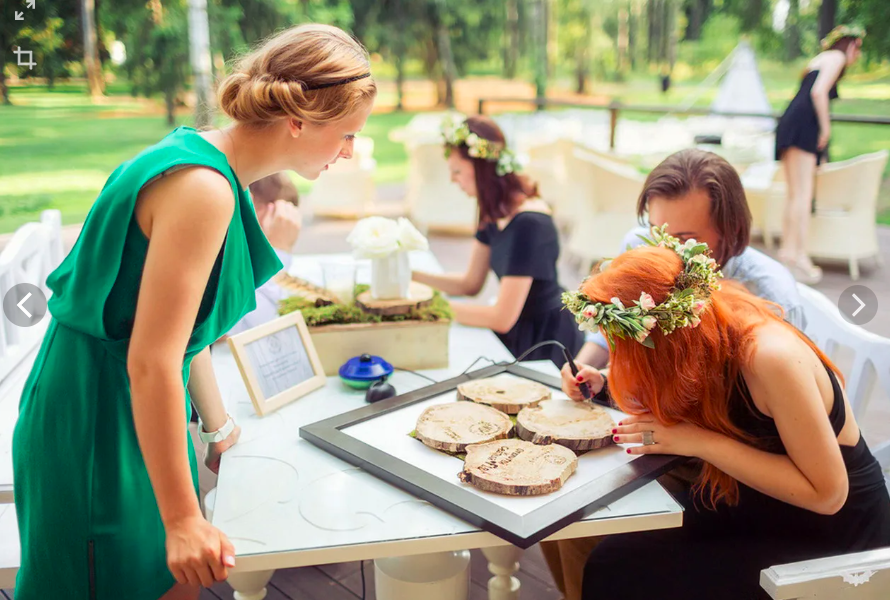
x=617, y=438
x=620, y=423
x=580, y=378
x=614, y=431
x=628, y=450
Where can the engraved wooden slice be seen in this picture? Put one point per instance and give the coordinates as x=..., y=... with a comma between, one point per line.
x=518, y=468
x=575, y=425
x=506, y=394
x=419, y=296
x=451, y=427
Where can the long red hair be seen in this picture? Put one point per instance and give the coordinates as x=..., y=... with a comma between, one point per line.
x=691, y=374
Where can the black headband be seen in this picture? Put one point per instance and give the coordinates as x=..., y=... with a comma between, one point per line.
x=321, y=86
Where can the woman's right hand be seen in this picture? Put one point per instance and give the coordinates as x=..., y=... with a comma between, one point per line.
x=824, y=136
x=197, y=552
x=571, y=385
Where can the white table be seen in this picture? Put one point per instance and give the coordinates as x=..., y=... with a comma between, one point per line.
x=286, y=503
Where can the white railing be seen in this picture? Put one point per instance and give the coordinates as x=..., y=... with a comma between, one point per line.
x=30, y=256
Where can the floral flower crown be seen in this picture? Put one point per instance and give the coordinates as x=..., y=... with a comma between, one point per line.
x=456, y=134
x=683, y=307
x=840, y=32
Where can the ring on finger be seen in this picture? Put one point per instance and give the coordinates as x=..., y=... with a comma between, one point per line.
x=647, y=438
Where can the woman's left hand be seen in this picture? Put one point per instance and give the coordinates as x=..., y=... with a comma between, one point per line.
x=214, y=450
x=682, y=439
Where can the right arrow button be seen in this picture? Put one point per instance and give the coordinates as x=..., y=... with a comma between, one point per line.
x=858, y=304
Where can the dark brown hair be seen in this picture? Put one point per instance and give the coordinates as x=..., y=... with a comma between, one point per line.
x=693, y=169
x=497, y=195
x=277, y=186
x=843, y=45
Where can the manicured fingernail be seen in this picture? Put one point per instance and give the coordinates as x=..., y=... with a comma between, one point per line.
x=579, y=378
x=620, y=423
x=628, y=450
x=230, y=561
x=616, y=438
x=614, y=431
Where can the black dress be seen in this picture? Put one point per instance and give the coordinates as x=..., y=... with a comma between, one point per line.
x=719, y=554
x=528, y=246
x=799, y=125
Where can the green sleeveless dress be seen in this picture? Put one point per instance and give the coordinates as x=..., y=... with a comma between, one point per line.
x=89, y=524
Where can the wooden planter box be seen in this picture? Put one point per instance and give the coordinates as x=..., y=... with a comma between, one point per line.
x=406, y=344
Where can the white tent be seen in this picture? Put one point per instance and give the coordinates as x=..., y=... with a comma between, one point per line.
x=741, y=88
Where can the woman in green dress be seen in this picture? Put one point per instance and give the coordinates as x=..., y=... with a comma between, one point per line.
x=168, y=260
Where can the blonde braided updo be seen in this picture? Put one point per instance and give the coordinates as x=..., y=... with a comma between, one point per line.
x=276, y=80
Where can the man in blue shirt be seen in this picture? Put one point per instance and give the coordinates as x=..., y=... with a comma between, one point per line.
x=700, y=196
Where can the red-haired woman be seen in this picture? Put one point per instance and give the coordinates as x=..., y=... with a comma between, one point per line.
x=516, y=239
x=712, y=372
x=802, y=139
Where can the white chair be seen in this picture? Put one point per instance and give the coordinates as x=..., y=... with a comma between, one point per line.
x=30, y=256
x=864, y=575
x=347, y=188
x=844, y=226
x=870, y=362
x=765, y=190
x=548, y=167
x=610, y=209
x=434, y=202
x=859, y=576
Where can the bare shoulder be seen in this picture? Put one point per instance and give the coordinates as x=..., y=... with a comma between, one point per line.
x=191, y=193
x=778, y=352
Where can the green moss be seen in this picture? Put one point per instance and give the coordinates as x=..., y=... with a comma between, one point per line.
x=349, y=314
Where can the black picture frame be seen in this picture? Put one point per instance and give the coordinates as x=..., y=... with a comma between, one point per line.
x=522, y=531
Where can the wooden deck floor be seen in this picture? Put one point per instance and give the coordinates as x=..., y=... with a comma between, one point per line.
x=343, y=581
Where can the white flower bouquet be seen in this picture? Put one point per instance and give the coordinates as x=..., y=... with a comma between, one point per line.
x=387, y=243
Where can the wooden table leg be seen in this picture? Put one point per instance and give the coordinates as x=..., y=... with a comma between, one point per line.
x=250, y=585
x=503, y=563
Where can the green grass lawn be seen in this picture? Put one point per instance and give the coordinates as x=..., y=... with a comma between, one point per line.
x=57, y=149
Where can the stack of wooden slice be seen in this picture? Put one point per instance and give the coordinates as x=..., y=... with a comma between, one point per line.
x=451, y=427
x=518, y=468
x=302, y=288
x=575, y=425
x=505, y=393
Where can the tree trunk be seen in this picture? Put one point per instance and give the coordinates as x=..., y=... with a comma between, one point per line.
x=651, y=22
x=551, y=38
x=622, y=41
x=695, y=19
x=446, y=58
x=539, y=43
x=671, y=22
x=792, y=31
x=827, y=17
x=91, y=49
x=170, y=103
x=4, y=89
x=511, y=52
x=199, y=53
x=633, y=33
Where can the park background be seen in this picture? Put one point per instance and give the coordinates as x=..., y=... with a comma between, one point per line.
x=113, y=77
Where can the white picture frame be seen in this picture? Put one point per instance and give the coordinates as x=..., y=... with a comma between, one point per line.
x=278, y=362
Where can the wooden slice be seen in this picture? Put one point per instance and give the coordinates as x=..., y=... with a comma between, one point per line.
x=419, y=296
x=300, y=287
x=507, y=394
x=518, y=468
x=575, y=425
x=451, y=427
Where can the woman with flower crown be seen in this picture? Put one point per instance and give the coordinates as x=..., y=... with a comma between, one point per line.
x=516, y=239
x=707, y=370
x=802, y=137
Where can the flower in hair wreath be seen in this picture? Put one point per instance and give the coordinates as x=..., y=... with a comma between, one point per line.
x=684, y=306
x=840, y=32
x=458, y=132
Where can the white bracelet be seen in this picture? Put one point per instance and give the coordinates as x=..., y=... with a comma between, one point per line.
x=218, y=435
